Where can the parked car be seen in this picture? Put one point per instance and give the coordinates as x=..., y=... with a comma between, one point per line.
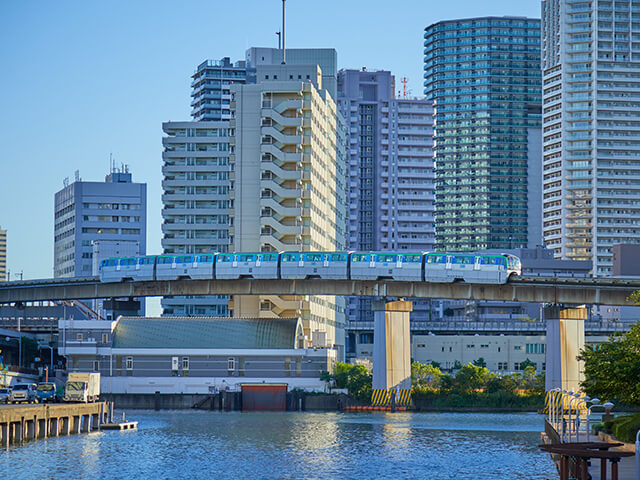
x=47, y=392
x=5, y=394
x=24, y=392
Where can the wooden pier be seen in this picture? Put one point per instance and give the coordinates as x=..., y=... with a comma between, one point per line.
x=24, y=423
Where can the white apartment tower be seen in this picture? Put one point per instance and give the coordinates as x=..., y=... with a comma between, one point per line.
x=591, y=128
x=288, y=178
x=195, y=198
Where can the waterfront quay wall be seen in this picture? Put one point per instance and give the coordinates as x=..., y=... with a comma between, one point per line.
x=226, y=401
x=20, y=424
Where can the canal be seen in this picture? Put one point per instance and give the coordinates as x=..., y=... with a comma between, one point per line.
x=202, y=445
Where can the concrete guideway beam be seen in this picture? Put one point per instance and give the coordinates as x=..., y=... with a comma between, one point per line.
x=573, y=291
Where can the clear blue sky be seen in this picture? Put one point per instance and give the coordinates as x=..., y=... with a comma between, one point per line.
x=81, y=79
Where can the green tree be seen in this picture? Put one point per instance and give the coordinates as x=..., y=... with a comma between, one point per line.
x=471, y=377
x=480, y=362
x=425, y=375
x=527, y=363
x=355, y=378
x=612, y=369
x=457, y=365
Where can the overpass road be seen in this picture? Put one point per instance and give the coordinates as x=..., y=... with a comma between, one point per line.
x=567, y=291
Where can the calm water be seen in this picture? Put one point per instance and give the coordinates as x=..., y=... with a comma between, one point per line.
x=198, y=445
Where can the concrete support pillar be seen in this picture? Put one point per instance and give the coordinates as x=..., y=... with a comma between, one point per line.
x=391, y=351
x=18, y=433
x=42, y=428
x=95, y=423
x=55, y=427
x=4, y=431
x=565, y=340
x=31, y=430
x=66, y=425
x=75, y=424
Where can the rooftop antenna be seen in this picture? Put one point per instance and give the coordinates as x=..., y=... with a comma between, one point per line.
x=279, y=40
x=284, y=49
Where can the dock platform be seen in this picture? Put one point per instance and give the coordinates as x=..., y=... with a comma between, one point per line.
x=119, y=426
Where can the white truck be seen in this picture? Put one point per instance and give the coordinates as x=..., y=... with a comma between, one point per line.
x=82, y=387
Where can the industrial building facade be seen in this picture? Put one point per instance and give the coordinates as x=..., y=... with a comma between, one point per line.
x=191, y=354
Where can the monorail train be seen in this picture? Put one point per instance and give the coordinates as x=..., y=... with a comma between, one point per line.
x=412, y=267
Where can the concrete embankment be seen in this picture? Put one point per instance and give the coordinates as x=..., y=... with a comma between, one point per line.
x=221, y=401
x=23, y=423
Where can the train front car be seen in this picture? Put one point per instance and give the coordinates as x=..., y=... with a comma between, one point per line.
x=127, y=268
x=469, y=268
x=514, y=265
x=386, y=265
x=300, y=265
x=246, y=265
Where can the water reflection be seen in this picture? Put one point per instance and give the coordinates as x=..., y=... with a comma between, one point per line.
x=187, y=444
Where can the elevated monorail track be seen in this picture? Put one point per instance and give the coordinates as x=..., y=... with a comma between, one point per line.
x=567, y=291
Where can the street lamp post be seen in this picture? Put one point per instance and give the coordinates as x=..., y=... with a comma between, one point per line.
x=50, y=348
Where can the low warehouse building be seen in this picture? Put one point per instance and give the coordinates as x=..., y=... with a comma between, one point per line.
x=193, y=355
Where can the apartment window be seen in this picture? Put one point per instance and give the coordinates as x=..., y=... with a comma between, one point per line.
x=471, y=345
x=517, y=347
x=96, y=365
x=129, y=363
x=79, y=337
x=105, y=338
x=516, y=366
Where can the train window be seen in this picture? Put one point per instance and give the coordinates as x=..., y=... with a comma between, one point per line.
x=269, y=257
x=165, y=260
x=436, y=259
x=246, y=257
x=289, y=257
x=462, y=260
x=205, y=258
x=145, y=261
x=313, y=257
x=412, y=258
x=127, y=261
x=110, y=262
x=385, y=258
x=224, y=258
x=359, y=257
x=338, y=257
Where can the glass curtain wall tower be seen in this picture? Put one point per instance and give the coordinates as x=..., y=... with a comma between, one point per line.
x=483, y=75
x=591, y=70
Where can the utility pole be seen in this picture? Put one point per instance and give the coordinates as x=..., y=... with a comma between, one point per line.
x=284, y=48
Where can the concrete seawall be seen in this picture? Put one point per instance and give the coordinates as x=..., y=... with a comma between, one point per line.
x=221, y=401
x=20, y=424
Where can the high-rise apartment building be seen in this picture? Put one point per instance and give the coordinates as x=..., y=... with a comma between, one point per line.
x=115, y=209
x=210, y=94
x=195, y=202
x=483, y=75
x=591, y=120
x=288, y=185
x=3, y=256
x=390, y=171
